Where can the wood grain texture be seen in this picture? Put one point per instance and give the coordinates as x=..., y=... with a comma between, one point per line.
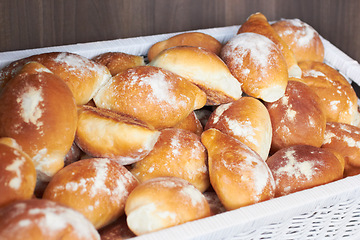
x=41, y=23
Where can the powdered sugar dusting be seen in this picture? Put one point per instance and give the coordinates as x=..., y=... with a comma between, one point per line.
x=175, y=145
x=258, y=47
x=259, y=172
x=101, y=173
x=290, y=114
x=76, y=63
x=97, y=184
x=55, y=218
x=296, y=168
x=303, y=34
x=157, y=81
x=328, y=136
x=194, y=194
x=31, y=102
x=313, y=73
x=15, y=182
x=242, y=129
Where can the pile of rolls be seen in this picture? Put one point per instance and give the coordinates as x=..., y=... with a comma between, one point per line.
x=123, y=145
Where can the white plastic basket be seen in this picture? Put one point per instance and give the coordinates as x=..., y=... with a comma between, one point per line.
x=331, y=211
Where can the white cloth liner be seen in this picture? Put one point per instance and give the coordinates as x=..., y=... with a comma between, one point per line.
x=273, y=219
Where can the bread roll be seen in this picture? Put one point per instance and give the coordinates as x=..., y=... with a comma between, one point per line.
x=164, y=202
x=239, y=176
x=337, y=94
x=42, y=219
x=297, y=118
x=194, y=39
x=104, y=133
x=96, y=187
x=153, y=95
x=247, y=120
x=17, y=173
x=258, y=65
x=303, y=40
x=345, y=139
x=118, y=61
x=301, y=167
x=203, y=68
x=191, y=123
x=83, y=76
x=257, y=23
x=39, y=111
x=177, y=153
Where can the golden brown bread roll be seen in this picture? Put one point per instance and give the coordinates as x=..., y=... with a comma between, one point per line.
x=104, y=133
x=195, y=39
x=42, y=219
x=83, y=76
x=302, y=39
x=239, y=176
x=38, y=110
x=17, y=173
x=96, y=187
x=257, y=23
x=203, y=68
x=153, y=95
x=345, y=139
x=191, y=123
x=337, y=94
x=118, y=61
x=164, y=202
x=297, y=118
x=257, y=63
x=177, y=153
x=247, y=120
x=301, y=167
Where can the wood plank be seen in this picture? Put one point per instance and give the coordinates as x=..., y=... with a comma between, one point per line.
x=41, y=23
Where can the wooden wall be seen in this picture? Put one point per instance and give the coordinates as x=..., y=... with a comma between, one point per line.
x=39, y=23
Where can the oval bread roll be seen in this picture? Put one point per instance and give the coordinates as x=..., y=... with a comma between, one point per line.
x=247, y=120
x=17, y=173
x=338, y=96
x=345, y=139
x=257, y=63
x=303, y=40
x=83, y=76
x=239, y=176
x=96, y=187
x=177, y=153
x=203, y=68
x=301, y=167
x=104, y=133
x=257, y=23
x=39, y=111
x=164, y=202
x=194, y=39
x=297, y=118
x=153, y=95
x=118, y=61
x=43, y=219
